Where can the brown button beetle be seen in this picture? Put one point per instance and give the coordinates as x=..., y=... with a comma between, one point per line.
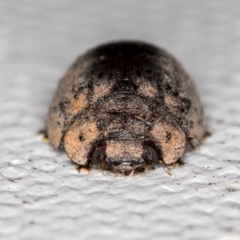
x=125, y=107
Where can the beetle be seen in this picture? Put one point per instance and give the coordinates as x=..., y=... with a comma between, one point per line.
x=124, y=107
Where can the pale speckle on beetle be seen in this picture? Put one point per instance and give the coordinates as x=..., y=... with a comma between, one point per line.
x=125, y=107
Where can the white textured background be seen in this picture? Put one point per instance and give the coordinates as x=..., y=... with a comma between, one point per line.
x=43, y=196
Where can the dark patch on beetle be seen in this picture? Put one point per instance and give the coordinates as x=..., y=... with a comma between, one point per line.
x=168, y=136
x=185, y=105
x=111, y=65
x=124, y=63
x=63, y=105
x=148, y=71
x=81, y=138
x=77, y=90
x=100, y=75
x=168, y=87
x=124, y=86
x=139, y=74
x=186, y=102
x=175, y=94
x=191, y=124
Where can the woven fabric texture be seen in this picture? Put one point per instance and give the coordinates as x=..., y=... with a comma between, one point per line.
x=42, y=194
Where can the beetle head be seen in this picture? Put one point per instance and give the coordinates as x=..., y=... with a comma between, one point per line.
x=125, y=155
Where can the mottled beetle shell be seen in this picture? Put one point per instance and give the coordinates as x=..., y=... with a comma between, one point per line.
x=125, y=106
